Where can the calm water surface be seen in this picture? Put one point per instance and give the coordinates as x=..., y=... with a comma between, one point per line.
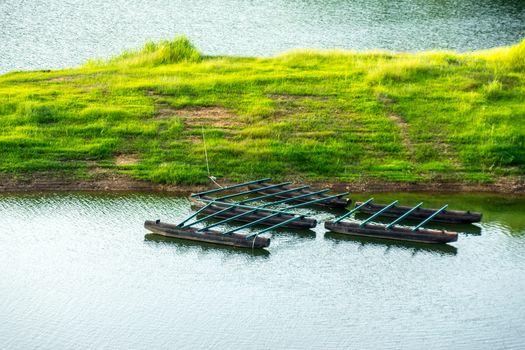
x=48, y=34
x=80, y=271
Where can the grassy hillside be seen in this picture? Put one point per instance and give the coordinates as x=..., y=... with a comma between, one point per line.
x=312, y=115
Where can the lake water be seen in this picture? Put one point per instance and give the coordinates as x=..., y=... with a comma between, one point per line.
x=50, y=34
x=80, y=271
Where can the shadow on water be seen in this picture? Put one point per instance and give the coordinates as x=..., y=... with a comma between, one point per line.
x=295, y=233
x=187, y=246
x=469, y=229
x=415, y=247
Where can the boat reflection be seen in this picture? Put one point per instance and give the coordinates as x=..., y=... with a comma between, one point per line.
x=186, y=246
x=415, y=247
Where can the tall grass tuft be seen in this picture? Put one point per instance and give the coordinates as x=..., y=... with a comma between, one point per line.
x=180, y=49
x=516, y=57
x=506, y=58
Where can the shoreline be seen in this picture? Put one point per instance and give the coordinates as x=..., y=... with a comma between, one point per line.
x=125, y=184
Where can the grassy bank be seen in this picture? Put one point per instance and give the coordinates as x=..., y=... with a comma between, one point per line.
x=330, y=116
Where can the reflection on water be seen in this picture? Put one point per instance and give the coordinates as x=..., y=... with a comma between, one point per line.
x=80, y=271
x=389, y=245
x=52, y=33
x=184, y=246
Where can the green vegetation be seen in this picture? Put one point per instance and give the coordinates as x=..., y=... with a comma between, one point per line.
x=309, y=115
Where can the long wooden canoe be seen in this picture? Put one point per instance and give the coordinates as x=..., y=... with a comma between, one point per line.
x=301, y=223
x=396, y=232
x=333, y=202
x=451, y=216
x=211, y=236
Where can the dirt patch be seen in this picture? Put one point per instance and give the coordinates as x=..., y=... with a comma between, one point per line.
x=62, y=78
x=209, y=116
x=126, y=159
x=289, y=97
x=217, y=117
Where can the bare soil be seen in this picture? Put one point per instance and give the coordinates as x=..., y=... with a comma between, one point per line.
x=108, y=181
x=126, y=159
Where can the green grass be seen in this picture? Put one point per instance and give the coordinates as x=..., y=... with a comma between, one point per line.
x=308, y=115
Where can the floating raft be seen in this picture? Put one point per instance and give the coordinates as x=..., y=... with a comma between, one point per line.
x=450, y=216
x=285, y=191
x=210, y=236
x=228, y=212
x=244, y=214
x=392, y=230
x=397, y=233
x=241, y=211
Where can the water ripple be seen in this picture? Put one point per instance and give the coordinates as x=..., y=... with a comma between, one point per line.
x=51, y=34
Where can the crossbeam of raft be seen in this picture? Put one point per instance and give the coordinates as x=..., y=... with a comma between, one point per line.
x=212, y=201
x=273, y=227
x=276, y=194
x=363, y=223
x=337, y=202
x=402, y=217
x=430, y=217
x=231, y=208
x=353, y=210
x=251, y=191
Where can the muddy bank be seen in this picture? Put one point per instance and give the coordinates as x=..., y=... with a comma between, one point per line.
x=122, y=183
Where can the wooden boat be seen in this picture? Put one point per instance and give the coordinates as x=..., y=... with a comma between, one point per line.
x=301, y=223
x=415, y=247
x=396, y=232
x=210, y=236
x=332, y=202
x=450, y=216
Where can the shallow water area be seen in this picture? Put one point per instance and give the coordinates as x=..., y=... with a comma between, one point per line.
x=51, y=34
x=79, y=270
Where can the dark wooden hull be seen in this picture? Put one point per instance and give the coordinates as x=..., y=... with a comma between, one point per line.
x=451, y=216
x=397, y=233
x=215, y=237
x=334, y=202
x=304, y=223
